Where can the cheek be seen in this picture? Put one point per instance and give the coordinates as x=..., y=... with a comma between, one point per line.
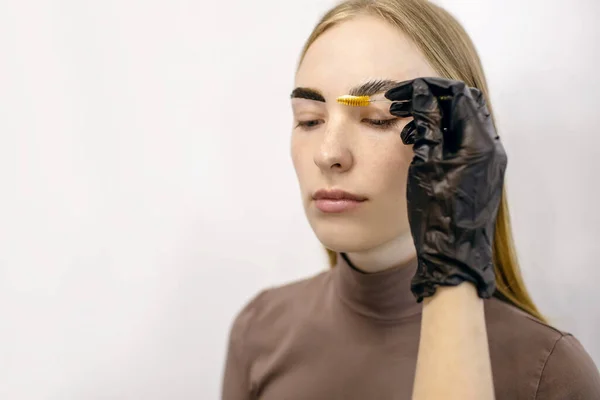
x=388, y=170
x=298, y=151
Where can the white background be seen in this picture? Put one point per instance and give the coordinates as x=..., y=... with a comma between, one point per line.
x=146, y=188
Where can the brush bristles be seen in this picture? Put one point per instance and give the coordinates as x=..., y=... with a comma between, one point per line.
x=355, y=101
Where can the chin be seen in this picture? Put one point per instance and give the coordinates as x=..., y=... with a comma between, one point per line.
x=348, y=236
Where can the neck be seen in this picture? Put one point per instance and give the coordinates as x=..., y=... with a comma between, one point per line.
x=394, y=253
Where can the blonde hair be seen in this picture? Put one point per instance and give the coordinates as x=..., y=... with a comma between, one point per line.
x=451, y=53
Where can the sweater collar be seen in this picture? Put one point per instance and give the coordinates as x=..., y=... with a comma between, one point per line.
x=384, y=295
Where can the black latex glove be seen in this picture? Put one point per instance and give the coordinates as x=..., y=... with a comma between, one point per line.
x=455, y=183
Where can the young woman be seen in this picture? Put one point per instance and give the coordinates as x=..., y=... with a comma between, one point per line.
x=424, y=299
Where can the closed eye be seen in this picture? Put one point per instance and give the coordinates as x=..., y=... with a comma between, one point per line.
x=309, y=124
x=375, y=123
x=382, y=123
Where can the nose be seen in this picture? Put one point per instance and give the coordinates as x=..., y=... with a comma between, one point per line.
x=334, y=154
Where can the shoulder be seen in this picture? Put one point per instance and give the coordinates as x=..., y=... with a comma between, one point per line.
x=274, y=302
x=550, y=363
x=568, y=372
x=275, y=309
x=507, y=324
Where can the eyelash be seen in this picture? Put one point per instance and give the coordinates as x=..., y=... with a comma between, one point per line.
x=382, y=124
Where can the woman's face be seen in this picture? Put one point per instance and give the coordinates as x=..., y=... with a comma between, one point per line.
x=354, y=149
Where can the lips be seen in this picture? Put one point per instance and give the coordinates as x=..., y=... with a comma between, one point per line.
x=337, y=201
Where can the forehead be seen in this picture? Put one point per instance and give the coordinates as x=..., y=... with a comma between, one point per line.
x=357, y=50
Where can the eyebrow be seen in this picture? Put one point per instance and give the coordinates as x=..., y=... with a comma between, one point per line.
x=369, y=88
x=307, y=93
x=373, y=86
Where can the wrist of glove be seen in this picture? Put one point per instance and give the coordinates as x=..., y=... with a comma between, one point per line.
x=455, y=182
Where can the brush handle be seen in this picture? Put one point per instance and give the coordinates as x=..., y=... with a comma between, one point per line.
x=407, y=101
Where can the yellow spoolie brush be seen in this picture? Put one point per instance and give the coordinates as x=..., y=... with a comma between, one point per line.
x=355, y=101
x=364, y=101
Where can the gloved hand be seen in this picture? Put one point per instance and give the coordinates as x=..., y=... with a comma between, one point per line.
x=455, y=182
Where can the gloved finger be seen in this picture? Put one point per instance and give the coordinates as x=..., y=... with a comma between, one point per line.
x=401, y=109
x=408, y=133
x=425, y=106
x=438, y=87
x=402, y=92
x=414, y=98
x=442, y=87
x=428, y=137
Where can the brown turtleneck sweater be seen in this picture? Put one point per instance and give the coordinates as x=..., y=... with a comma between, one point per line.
x=347, y=335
